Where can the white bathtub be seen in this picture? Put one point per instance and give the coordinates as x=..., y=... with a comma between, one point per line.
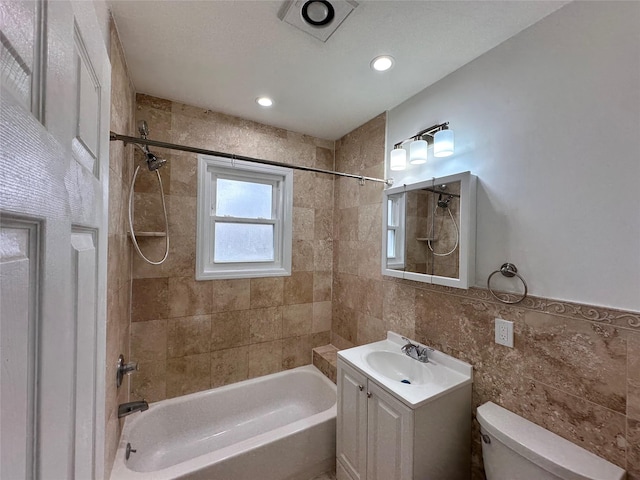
x=276, y=427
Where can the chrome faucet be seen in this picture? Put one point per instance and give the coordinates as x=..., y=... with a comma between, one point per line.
x=123, y=369
x=125, y=409
x=415, y=351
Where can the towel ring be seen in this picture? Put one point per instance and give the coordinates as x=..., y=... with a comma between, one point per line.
x=508, y=270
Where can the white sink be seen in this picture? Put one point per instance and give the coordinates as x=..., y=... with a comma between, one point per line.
x=413, y=382
x=399, y=367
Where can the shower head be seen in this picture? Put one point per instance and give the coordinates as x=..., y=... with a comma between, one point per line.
x=154, y=162
x=444, y=202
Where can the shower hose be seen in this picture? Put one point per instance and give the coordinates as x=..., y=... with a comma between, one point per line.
x=166, y=221
x=457, y=235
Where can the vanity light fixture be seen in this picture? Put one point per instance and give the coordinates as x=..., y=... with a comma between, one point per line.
x=439, y=135
x=418, y=151
x=264, y=101
x=398, y=159
x=382, y=63
x=443, y=143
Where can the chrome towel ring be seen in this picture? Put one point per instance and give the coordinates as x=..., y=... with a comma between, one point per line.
x=508, y=270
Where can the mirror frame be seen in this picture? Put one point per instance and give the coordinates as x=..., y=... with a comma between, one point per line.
x=467, y=242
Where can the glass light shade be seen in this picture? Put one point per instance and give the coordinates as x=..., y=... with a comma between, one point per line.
x=443, y=143
x=398, y=159
x=418, y=152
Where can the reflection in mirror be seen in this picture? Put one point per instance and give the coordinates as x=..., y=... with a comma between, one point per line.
x=430, y=230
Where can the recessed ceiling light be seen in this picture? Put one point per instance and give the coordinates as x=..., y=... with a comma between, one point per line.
x=382, y=63
x=264, y=101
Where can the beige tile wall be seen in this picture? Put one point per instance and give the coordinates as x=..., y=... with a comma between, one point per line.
x=119, y=254
x=575, y=369
x=193, y=335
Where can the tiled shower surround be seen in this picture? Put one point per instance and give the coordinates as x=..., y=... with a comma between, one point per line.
x=575, y=369
x=192, y=335
x=119, y=250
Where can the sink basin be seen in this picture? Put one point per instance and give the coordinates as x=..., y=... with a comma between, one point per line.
x=413, y=382
x=399, y=367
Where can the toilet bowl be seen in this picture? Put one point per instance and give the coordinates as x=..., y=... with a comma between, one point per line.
x=516, y=449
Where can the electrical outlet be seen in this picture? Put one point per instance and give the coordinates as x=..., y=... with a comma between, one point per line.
x=504, y=332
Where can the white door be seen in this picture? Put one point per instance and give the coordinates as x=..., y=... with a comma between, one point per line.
x=352, y=421
x=390, y=437
x=54, y=117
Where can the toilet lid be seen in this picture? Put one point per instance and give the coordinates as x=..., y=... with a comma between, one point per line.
x=544, y=448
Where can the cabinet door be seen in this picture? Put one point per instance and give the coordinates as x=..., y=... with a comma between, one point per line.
x=390, y=437
x=352, y=421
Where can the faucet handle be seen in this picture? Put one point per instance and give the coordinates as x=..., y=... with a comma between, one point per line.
x=123, y=369
x=129, y=368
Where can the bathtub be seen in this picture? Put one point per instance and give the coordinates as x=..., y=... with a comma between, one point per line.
x=277, y=427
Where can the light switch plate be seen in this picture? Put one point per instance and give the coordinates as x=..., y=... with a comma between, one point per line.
x=504, y=332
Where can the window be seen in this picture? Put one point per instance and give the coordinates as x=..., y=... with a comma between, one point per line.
x=395, y=235
x=244, y=219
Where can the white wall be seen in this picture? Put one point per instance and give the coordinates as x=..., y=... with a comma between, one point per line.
x=549, y=121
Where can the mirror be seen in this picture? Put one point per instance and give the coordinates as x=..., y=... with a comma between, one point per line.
x=429, y=233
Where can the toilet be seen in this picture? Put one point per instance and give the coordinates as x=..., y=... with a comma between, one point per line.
x=516, y=449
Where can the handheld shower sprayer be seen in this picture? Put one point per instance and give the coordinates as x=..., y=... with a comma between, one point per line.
x=154, y=162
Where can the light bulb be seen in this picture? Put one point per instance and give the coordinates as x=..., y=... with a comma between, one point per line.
x=264, y=101
x=382, y=63
x=398, y=159
x=443, y=143
x=418, y=152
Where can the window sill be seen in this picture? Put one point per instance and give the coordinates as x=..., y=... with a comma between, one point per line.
x=231, y=274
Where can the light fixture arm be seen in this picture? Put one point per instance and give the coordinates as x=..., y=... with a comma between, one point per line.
x=431, y=131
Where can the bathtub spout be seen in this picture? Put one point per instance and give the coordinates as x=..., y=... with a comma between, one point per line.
x=125, y=409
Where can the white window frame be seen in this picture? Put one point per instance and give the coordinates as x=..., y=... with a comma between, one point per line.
x=210, y=168
x=397, y=226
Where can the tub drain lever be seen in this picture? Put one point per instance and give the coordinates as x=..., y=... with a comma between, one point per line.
x=129, y=451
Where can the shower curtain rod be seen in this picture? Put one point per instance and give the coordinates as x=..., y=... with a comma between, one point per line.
x=184, y=148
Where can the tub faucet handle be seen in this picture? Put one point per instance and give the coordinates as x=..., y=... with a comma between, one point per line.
x=123, y=369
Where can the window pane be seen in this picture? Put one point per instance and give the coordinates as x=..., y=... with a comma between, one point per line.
x=391, y=243
x=243, y=199
x=241, y=242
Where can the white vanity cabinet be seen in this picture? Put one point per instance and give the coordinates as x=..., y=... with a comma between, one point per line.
x=389, y=433
x=375, y=430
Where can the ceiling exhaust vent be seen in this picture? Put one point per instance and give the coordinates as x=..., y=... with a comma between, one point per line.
x=319, y=18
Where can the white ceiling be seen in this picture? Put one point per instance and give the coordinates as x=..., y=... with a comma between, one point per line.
x=221, y=55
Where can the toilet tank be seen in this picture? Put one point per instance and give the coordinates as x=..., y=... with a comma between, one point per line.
x=514, y=448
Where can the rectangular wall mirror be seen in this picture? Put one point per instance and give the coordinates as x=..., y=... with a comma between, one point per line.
x=429, y=230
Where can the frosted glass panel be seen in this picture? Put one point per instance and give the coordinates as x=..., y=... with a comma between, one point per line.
x=391, y=243
x=243, y=199
x=391, y=217
x=241, y=242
